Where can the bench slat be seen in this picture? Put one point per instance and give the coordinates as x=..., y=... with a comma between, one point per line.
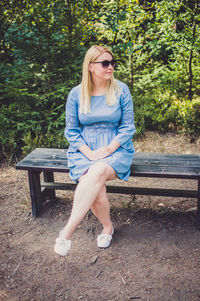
x=144, y=164
x=128, y=190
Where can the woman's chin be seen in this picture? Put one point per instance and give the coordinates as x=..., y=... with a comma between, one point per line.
x=108, y=75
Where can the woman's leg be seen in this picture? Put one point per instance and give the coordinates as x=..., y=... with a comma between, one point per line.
x=86, y=193
x=101, y=209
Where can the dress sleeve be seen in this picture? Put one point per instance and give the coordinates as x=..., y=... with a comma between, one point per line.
x=126, y=127
x=73, y=128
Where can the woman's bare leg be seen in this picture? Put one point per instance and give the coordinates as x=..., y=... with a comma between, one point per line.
x=86, y=194
x=101, y=209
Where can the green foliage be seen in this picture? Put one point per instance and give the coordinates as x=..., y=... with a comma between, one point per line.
x=54, y=138
x=26, y=125
x=156, y=44
x=167, y=113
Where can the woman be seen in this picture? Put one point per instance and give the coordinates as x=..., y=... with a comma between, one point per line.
x=99, y=129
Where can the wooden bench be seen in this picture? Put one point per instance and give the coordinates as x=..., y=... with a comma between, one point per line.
x=48, y=161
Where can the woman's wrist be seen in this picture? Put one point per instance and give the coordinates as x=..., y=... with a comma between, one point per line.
x=85, y=150
x=109, y=149
x=113, y=146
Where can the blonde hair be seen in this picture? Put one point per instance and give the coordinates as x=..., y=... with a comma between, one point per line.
x=86, y=85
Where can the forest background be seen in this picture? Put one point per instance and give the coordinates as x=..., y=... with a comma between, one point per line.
x=156, y=45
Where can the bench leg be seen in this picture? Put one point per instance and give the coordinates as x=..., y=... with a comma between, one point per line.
x=198, y=206
x=49, y=177
x=35, y=192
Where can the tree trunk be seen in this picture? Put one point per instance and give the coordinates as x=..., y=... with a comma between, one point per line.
x=194, y=25
x=131, y=70
x=70, y=21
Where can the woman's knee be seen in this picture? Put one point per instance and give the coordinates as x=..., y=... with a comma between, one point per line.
x=102, y=171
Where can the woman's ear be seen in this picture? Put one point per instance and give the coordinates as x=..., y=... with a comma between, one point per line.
x=90, y=67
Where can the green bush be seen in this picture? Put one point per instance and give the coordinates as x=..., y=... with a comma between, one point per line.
x=32, y=121
x=190, y=116
x=167, y=113
x=53, y=139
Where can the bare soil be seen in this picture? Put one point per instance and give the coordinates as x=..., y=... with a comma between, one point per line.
x=154, y=254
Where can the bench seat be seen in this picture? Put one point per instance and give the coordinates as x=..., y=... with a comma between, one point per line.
x=151, y=165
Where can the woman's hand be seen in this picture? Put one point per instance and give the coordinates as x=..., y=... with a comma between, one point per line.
x=98, y=154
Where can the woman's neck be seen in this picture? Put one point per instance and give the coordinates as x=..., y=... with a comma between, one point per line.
x=99, y=87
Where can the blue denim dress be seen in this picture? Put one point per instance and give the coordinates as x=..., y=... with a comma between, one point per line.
x=98, y=128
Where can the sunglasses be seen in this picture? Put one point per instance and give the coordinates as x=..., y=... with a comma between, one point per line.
x=106, y=63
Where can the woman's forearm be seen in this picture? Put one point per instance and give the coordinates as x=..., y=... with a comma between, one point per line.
x=113, y=146
x=85, y=150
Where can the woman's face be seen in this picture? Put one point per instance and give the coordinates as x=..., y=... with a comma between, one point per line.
x=97, y=70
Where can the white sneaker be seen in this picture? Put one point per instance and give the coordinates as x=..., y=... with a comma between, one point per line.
x=62, y=245
x=104, y=240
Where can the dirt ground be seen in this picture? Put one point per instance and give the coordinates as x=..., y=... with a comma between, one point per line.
x=154, y=254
